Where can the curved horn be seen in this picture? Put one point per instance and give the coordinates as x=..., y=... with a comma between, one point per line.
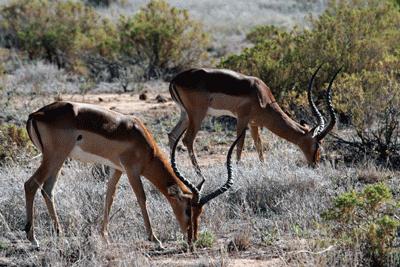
x=314, y=109
x=229, y=181
x=186, y=182
x=332, y=122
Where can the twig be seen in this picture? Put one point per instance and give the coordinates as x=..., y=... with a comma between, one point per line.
x=312, y=252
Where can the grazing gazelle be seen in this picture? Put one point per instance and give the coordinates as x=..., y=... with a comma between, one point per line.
x=199, y=92
x=93, y=134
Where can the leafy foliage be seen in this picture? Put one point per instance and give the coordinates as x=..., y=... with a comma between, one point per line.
x=163, y=38
x=342, y=36
x=367, y=218
x=60, y=32
x=160, y=38
x=14, y=142
x=360, y=36
x=205, y=239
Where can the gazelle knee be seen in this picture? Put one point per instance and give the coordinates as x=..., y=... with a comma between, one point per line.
x=30, y=187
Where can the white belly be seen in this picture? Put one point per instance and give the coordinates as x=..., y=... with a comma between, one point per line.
x=219, y=112
x=81, y=155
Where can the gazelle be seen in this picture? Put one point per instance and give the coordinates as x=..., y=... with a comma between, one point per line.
x=201, y=92
x=93, y=134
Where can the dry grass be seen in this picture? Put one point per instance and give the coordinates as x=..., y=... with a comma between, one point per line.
x=271, y=215
x=273, y=211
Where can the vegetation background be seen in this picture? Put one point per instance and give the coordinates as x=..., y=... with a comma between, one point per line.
x=121, y=54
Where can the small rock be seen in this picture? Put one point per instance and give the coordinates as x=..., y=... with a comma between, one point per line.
x=143, y=96
x=161, y=99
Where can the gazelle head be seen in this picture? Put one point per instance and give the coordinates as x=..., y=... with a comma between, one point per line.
x=195, y=203
x=311, y=144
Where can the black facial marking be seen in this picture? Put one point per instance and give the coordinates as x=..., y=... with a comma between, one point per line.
x=79, y=138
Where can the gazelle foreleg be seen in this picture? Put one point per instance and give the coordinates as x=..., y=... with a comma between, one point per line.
x=137, y=186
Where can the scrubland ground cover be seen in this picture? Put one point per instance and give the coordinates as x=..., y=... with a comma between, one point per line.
x=281, y=212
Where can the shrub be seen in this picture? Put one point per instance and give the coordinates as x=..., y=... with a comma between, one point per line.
x=14, y=142
x=360, y=36
x=205, y=239
x=162, y=38
x=367, y=219
x=60, y=32
x=372, y=102
x=342, y=36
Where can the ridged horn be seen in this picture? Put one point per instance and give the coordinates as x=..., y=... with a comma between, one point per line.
x=332, y=115
x=229, y=182
x=314, y=109
x=186, y=182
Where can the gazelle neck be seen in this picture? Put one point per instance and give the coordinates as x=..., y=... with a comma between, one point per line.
x=160, y=173
x=278, y=122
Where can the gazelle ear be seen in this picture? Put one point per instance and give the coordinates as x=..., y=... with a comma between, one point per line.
x=305, y=124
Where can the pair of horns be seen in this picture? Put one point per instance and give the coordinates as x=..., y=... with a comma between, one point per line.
x=321, y=130
x=198, y=198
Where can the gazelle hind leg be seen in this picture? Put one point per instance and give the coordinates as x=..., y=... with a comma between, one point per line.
x=111, y=188
x=42, y=174
x=193, y=128
x=241, y=125
x=178, y=129
x=255, y=134
x=47, y=193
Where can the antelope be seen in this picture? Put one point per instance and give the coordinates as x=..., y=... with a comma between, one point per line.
x=201, y=92
x=93, y=134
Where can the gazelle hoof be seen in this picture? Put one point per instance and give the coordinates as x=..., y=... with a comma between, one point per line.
x=35, y=243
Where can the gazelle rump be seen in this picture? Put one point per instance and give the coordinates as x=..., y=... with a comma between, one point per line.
x=199, y=92
x=93, y=134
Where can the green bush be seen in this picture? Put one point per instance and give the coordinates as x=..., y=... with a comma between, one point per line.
x=162, y=38
x=361, y=36
x=57, y=31
x=14, y=142
x=356, y=37
x=159, y=39
x=367, y=219
x=205, y=239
